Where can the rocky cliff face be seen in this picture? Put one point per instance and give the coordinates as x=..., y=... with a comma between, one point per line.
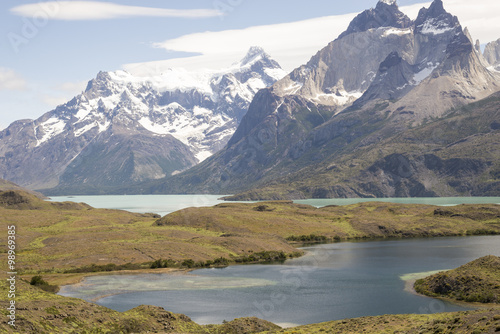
x=124, y=129
x=492, y=54
x=378, y=79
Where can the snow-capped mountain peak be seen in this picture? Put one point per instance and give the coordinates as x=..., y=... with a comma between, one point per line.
x=181, y=94
x=194, y=112
x=254, y=54
x=435, y=20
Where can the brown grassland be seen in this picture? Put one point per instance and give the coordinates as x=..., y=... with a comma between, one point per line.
x=66, y=241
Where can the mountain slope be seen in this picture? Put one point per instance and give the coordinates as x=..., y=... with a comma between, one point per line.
x=492, y=54
x=458, y=155
x=376, y=81
x=125, y=129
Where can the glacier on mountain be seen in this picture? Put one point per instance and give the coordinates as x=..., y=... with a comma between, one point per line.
x=127, y=128
x=204, y=124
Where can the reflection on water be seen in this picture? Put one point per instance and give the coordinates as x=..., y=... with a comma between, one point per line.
x=98, y=286
x=416, y=276
x=333, y=281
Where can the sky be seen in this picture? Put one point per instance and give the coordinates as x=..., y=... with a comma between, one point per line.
x=49, y=50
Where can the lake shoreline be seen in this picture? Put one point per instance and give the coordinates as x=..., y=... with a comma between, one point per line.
x=304, y=260
x=62, y=279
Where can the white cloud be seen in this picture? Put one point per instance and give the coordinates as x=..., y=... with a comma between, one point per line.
x=293, y=44
x=10, y=80
x=96, y=10
x=482, y=17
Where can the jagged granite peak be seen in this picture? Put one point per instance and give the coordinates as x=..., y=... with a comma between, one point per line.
x=258, y=63
x=403, y=75
x=153, y=127
x=385, y=14
x=435, y=20
x=492, y=53
x=253, y=53
x=342, y=71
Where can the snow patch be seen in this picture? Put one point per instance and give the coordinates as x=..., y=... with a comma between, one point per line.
x=82, y=113
x=293, y=88
x=423, y=74
x=203, y=155
x=396, y=31
x=159, y=129
x=51, y=128
x=433, y=27
x=84, y=129
x=111, y=101
x=104, y=127
x=256, y=84
x=275, y=73
x=341, y=98
x=199, y=111
x=495, y=68
x=278, y=107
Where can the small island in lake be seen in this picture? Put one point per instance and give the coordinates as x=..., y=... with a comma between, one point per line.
x=476, y=281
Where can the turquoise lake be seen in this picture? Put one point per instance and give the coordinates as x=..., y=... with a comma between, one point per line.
x=164, y=204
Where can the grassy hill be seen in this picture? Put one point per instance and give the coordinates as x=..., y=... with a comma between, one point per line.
x=76, y=238
x=304, y=223
x=7, y=185
x=472, y=322
x=476, y=281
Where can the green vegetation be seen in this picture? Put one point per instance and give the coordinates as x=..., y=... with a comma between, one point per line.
x=259, y=257
x=311, y=238
x=304, y=223
x=66, y=241
x=71, y=239
x=93, y=268
x=484, y=321
x=477, y=281
x=42, y=284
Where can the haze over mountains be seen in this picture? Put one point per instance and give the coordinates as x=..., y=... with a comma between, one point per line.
x=391, y=108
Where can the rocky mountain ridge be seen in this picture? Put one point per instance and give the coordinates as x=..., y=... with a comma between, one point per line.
x=379, y=79
x=124, y=129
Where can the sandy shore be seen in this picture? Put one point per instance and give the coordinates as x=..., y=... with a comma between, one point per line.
x=71, y=279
